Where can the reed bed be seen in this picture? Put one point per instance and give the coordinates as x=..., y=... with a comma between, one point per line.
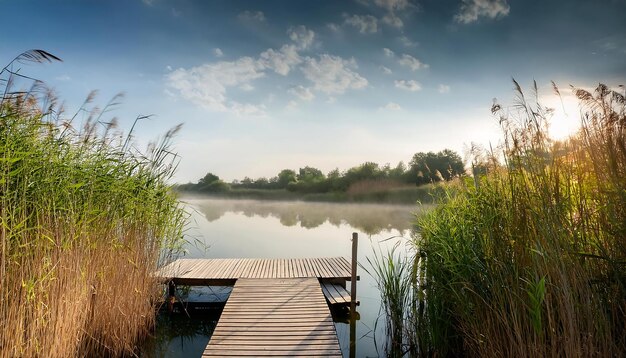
x=85, y=220
x=392, y=271
x=529, y=259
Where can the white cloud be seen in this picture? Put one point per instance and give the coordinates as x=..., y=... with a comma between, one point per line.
x=168, y=67
x=407, y=41
x=280, y=61
x=386, y=70
x=388, y=52
x=332, y=74
x=413, y=63
x=148, y=2
x=391, y=106
x=392, y=19
x=302, y=92
x=63, y=78
x=331, y=100
x=291, y=105
x=613, y=43
x=408, y=85
x=471, y=10
x=333, y=27
x=247, y=109
x=218, y=52
x=207, y=85
x=392, y=7
x=252, y=16
x=443, y=88
x=302, y=36
x=176, y=12
x=246, y=87
x=364, y=23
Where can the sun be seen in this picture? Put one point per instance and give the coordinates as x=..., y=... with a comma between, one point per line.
x=565, y=120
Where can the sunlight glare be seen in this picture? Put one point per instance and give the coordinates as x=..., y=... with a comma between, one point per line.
x=566, y=118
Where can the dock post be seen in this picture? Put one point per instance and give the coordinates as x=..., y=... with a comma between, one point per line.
x=355, y=242
x=353, y=314
x=171, y=295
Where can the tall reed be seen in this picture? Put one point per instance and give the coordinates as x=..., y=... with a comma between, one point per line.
x=392, y=272
x=85, y=220
x=529, y=259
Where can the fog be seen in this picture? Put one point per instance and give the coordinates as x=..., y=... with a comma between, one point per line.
x=372, y=219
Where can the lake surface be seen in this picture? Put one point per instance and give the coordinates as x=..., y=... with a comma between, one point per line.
x=267, y=229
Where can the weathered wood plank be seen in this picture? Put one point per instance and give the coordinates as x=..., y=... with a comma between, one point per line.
x=256, y=353
x=277, y=335
x=335, y=294
x=275, y=317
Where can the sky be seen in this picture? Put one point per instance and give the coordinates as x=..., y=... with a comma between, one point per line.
x=262, y=86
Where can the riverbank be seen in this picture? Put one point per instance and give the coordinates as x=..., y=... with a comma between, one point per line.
x=406, y=195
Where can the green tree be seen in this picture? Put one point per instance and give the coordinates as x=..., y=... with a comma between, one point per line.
x=310, y=174
x=285, y=177
x=398, y=172
x=433, y=167
x=211, y=183
x=208, y=179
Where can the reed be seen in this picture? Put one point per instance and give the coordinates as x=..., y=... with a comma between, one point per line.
x=85, y=220
x=392, y=272
x=529, y=259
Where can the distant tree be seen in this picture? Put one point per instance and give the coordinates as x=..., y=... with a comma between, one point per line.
x=398, y=172
x=260, y=183
x=208, y=179
x=365, y=171
x=452, y=164
x=310, y=174
x=369, y=170
x=334, y=180
x=334, y=174
x=211, y=183
x=273, y=183
x=423, y=168
x=285, y=177
x=246, y=182
x=433, y=167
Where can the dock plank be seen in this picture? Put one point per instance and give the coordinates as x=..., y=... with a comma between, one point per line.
x=275, y=317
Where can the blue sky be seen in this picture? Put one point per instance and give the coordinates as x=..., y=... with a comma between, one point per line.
x=262, y=86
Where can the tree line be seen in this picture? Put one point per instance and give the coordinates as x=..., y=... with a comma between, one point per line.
x=423, y=168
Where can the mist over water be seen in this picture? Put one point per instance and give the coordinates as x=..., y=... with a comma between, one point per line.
x=371, y=219
x=221, y=228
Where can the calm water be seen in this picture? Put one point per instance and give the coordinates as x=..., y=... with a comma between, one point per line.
x=262, y=229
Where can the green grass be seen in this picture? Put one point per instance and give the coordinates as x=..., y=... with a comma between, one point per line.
x=85, y=221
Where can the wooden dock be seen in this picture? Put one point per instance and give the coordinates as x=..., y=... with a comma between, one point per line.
x=278, y=307
x=275, y=317
x=216, y=272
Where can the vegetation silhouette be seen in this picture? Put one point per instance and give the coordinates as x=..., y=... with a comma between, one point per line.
x=366, y=182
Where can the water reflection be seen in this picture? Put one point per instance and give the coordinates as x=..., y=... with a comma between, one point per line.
x=264, y=229
x=371, y=219
x=177, y=335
